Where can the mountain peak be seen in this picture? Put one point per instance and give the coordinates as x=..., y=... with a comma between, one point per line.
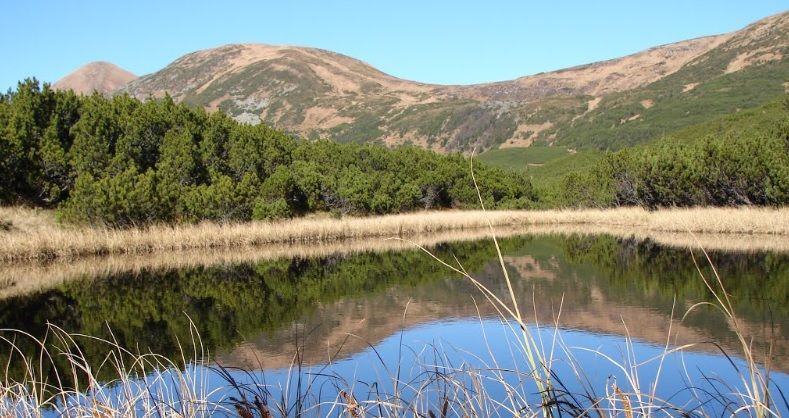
x=100, y=76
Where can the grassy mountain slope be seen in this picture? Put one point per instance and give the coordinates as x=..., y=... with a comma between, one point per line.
x=746, y=71
x=549, y=167
x=521, y=159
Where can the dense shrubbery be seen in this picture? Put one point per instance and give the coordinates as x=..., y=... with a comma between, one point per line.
x=121, y=161
x=740, y=160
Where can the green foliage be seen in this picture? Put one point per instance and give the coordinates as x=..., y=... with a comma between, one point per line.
x=742, y=159
x=95, y=134
x=124, y=199
x=271, y=209
x=123, y=162
x=221, y=200
x=26, y=115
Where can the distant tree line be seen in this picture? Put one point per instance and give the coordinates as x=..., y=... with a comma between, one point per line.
x=121, y=161
x=741, y=160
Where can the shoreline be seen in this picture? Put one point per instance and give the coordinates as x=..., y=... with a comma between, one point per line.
x=33, y=235
x=44, y=274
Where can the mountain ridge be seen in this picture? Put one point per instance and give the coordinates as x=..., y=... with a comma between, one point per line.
x=319, y=93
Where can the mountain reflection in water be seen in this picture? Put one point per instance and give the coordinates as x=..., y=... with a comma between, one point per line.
x=256, y=315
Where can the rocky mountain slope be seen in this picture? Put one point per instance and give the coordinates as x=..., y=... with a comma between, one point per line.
x=606, y=105
x=100, y=76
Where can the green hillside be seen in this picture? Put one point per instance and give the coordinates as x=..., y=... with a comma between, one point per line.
x=748, y=70
x=554, y=170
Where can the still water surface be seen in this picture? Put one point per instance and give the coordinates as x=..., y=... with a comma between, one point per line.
x=362, y=319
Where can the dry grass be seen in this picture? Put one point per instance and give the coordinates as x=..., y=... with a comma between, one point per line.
x=64, y=253
x=39, y=275
x=33, y=234
x=47, y=274
x=144, y=385
x=148, y=385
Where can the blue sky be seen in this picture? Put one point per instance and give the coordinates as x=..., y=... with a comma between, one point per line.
x=446, y=42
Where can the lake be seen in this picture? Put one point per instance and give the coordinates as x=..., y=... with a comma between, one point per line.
x=397, y=329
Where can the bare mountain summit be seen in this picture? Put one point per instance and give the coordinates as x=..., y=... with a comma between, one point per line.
x=608, y=104
x=100, y=76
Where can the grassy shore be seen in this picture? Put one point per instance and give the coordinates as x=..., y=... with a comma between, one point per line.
x=30, y=234
x=44, y=274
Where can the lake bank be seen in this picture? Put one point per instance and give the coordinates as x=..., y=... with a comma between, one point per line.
x=30, y=234
x=42, y=274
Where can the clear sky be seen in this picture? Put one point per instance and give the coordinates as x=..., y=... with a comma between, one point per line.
x=445, y=42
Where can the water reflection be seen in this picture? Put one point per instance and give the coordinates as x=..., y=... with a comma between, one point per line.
x=474, y=367
x=600, y=285
x=257, y=315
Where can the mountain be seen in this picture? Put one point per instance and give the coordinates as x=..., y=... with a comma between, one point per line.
x=749, y=68
x=605, y=105
x=100, y=76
